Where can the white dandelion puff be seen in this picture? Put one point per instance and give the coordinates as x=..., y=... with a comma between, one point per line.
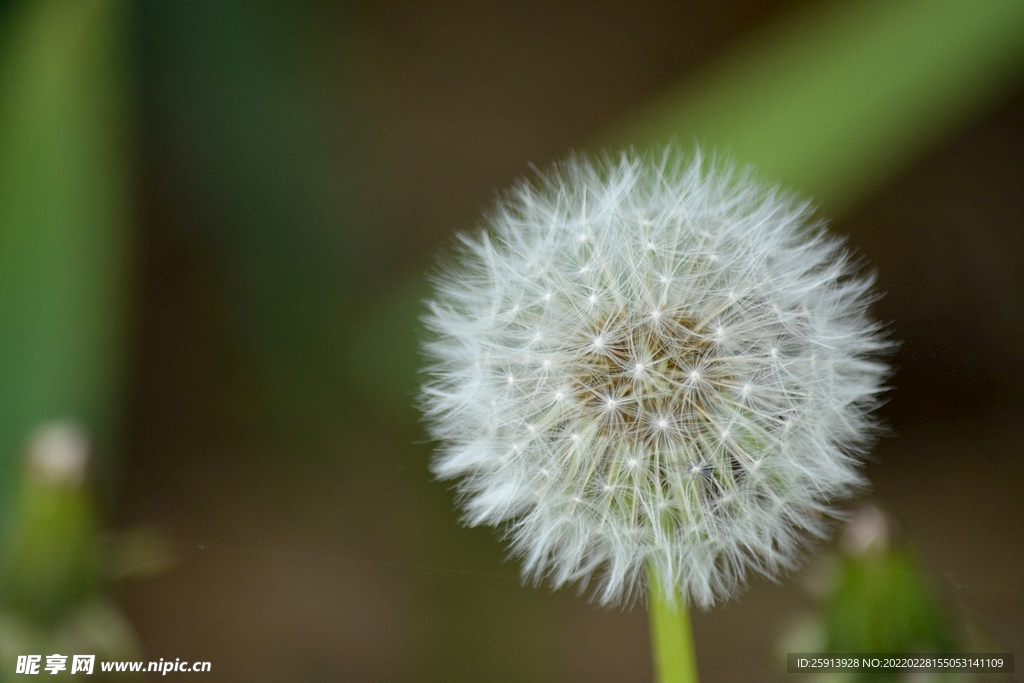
x=683, y=384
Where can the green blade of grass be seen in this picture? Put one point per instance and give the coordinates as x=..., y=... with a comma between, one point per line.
x=64, y=220
x=833, y=101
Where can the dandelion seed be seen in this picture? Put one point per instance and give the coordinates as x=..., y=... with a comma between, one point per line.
x=638, y=467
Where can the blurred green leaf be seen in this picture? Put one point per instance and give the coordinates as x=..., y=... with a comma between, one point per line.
x=65, y=204
x=834, y=100
x=234, y=89
x=882, y=603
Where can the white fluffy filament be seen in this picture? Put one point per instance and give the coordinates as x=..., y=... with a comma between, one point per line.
x=651, y=363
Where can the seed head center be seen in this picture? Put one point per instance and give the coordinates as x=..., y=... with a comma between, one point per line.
x=642, y=370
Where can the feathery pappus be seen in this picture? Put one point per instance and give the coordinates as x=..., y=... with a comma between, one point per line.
x=647, y=362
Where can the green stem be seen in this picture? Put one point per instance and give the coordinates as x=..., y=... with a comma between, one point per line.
x=671, y=636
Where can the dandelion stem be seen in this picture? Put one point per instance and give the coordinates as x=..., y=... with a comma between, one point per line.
x=671, y=635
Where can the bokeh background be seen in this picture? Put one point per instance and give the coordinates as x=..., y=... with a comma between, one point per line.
x=237, y=320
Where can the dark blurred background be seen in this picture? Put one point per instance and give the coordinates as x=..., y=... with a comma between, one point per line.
x=299, y=164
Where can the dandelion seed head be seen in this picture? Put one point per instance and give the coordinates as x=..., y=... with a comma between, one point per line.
x=640, y=433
